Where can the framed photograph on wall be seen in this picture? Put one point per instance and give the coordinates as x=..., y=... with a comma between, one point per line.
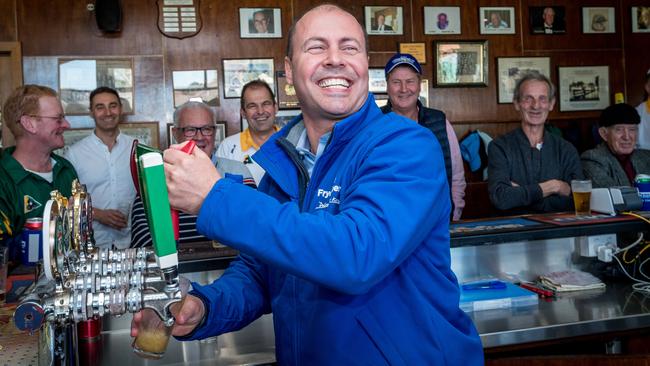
x=497, y=20
x=260, y=22
x=287, y=97
x=78, y=77
x=219, y=133
x=196, y=84
x=381, y=100
x=547, y=19
x=418, y=50
x=441, y=20
x=238, y=72
x=285, y=116
x=511, y=69
x=583, y=88
x=640, y=19
x=461, y=63
x=424, y=92
x=384, y=20
x=144, y=132
x=598, y=20
x=376, y=80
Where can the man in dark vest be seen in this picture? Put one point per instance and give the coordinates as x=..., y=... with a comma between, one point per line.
x=403, y=76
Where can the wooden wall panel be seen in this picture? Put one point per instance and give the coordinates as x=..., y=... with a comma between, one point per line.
x=71, y=31
x=637, y=54
x=66, y=27
x=7, y=20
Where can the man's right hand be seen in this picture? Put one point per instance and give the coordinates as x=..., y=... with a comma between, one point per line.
x=555, y=186
x=187, y=314
x=190, y=178
x=111, y=218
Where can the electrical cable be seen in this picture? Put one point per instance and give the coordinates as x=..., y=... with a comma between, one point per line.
x=640, y=285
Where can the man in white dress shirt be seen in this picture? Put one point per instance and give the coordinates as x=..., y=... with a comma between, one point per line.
x=102, y=163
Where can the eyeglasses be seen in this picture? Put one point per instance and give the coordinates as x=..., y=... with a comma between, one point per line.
x=191, y=131
x=60, y=118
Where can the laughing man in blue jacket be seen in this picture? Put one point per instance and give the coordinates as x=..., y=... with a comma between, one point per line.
x=347, y=244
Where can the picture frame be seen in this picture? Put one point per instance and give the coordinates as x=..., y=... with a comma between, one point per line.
x=193, y=84
x=415, y=49
x=145, y=132
x=238, y=72
x=640, y=19
x=381, y=100
x=285, y=116
x=384, y=20
x=442, y=20
x=598, y=20
x=219, y=133
x=78, y=77
x=497, y=20
x=260, y=22
x=424, y=92
x=541, y=21
x=376, y=80
x=510, y=69
x=461, y=63
x=287, y=98
x=583, y=88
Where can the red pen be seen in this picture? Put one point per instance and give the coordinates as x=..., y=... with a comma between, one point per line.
x=538, y=290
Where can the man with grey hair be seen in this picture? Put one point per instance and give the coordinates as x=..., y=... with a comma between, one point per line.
x=530, y=170
x=348, y=244
x=192, y=121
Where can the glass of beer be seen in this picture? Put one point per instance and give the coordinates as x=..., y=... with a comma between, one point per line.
x=153, y=336
x=581, y=196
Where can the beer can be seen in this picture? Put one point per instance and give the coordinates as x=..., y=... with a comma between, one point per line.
x=31, y=242
x=642, y=183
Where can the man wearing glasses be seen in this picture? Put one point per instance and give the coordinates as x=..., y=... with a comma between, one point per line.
x=192, y=121
x=258, y=108
x=102, y=162
x=29, y=170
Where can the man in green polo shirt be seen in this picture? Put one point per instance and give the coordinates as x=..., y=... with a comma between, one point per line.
x=29, y=171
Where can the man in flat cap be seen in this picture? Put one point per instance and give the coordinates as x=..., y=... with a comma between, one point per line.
x=616, y=161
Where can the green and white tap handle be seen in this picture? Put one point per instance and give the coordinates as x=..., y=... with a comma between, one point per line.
x=155, y=197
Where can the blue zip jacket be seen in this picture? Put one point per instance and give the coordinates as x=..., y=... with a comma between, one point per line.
x=354, y=263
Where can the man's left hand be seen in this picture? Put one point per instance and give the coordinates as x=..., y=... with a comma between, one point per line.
x=190, y=178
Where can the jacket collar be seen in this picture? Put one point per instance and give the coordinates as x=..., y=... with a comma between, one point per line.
x=274, y=160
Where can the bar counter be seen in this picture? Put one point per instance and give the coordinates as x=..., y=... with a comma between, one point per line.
x=523, y=253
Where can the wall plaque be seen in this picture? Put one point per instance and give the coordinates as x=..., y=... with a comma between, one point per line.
x=179, y=18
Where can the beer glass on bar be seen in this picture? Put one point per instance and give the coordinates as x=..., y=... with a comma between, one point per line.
x=581, y=196
x=153, y=336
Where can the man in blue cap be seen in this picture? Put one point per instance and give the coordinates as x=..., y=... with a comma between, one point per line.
x=404, y=76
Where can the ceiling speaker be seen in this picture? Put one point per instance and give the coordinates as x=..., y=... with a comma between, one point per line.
x=109, y=15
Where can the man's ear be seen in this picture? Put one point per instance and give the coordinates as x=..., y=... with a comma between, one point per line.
x=27, y=123
x=602, y=131
x=287, y=70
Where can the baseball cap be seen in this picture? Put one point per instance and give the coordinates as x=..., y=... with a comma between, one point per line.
x=402, y=59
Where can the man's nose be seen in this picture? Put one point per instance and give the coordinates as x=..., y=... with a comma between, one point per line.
x=334, y=57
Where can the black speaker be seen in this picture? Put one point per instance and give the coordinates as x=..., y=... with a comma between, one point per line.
x=109, y=15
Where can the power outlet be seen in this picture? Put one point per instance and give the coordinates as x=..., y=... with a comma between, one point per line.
x=588, y=245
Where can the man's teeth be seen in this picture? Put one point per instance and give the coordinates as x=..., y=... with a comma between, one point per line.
x=327, y=83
